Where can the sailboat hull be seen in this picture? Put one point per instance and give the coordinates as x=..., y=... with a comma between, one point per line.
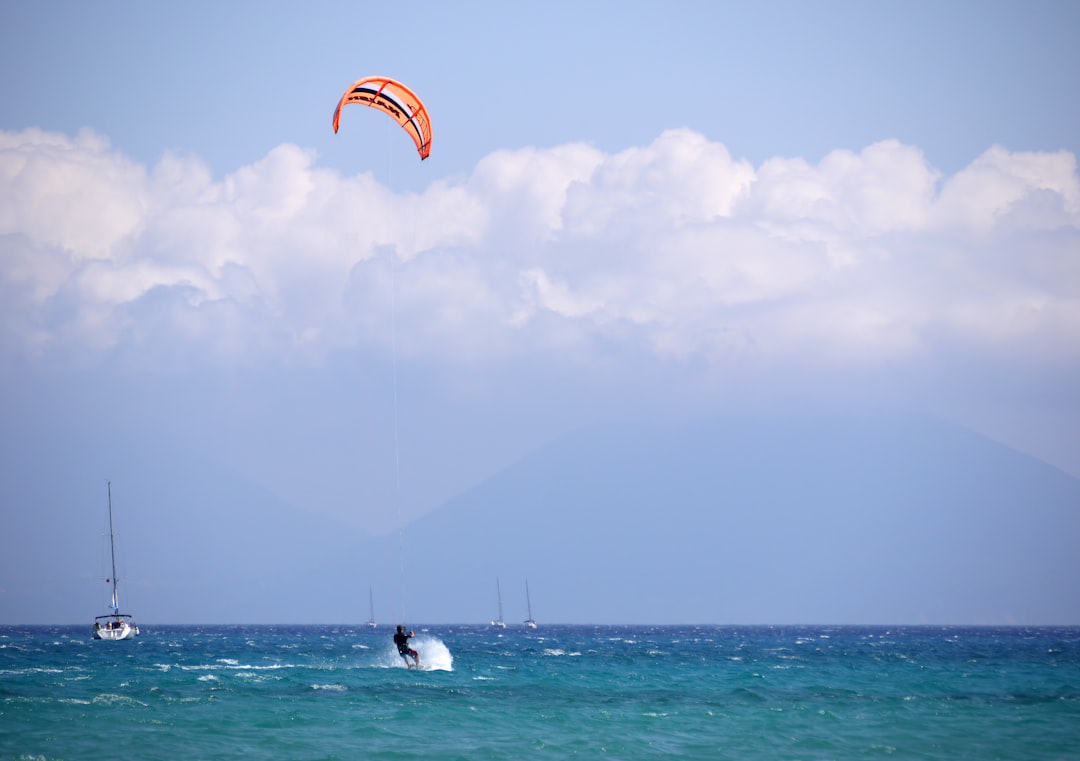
x=115, y=629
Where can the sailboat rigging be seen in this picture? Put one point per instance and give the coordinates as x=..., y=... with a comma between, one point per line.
x=115, y=625
x=529, y=622
x=498, y=623
x=371, y=606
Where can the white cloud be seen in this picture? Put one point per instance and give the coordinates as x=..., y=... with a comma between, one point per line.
x=674, y=248
x=1043, y=187
x=73, y=194
x=886, y=187
x=679, y=180
x=526, y=190
x=539, y=291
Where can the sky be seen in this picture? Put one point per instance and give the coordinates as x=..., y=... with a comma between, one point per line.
x=629, y=209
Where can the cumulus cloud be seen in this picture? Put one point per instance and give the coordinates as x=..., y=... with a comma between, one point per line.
x=672, y=249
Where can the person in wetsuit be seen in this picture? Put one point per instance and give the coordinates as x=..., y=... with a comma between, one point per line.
x=401, y=639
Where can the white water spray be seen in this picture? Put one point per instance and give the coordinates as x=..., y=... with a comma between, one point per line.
x=434, y=654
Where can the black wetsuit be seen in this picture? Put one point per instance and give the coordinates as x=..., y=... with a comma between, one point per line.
x=401, y=639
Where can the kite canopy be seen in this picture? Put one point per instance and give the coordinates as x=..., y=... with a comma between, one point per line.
x=395, y=99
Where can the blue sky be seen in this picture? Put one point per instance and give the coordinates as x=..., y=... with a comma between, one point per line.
x=629, y=208
x=229, y=83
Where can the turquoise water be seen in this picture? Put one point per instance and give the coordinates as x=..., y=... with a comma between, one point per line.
x=556, y=692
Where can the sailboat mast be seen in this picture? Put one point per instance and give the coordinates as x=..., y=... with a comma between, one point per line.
x=112, y=555
x=528, y=602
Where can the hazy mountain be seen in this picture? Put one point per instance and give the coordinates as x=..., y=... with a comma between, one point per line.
x=741, y=521
x=724, y=521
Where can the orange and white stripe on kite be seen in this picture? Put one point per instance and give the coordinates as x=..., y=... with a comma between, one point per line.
x=395, y=99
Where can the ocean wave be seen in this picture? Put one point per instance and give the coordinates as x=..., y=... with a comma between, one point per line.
x=234, y=665
x=110, y=698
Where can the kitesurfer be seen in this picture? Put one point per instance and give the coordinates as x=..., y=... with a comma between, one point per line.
x=401, y=639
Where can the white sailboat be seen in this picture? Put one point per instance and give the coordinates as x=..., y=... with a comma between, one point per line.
x=371, y=605
x=114, y=625
x=529, y=622
x=498, y=623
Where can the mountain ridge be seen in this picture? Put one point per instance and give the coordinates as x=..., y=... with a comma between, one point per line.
x=906, y=519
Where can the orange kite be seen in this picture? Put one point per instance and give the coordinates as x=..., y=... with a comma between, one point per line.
x=395, y=99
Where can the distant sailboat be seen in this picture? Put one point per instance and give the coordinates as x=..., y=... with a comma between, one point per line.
x=371, y=605
x=115, y=625
x=498, y=623
x=529, y=622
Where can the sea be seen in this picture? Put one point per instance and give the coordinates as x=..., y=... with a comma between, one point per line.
x=554, y=692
